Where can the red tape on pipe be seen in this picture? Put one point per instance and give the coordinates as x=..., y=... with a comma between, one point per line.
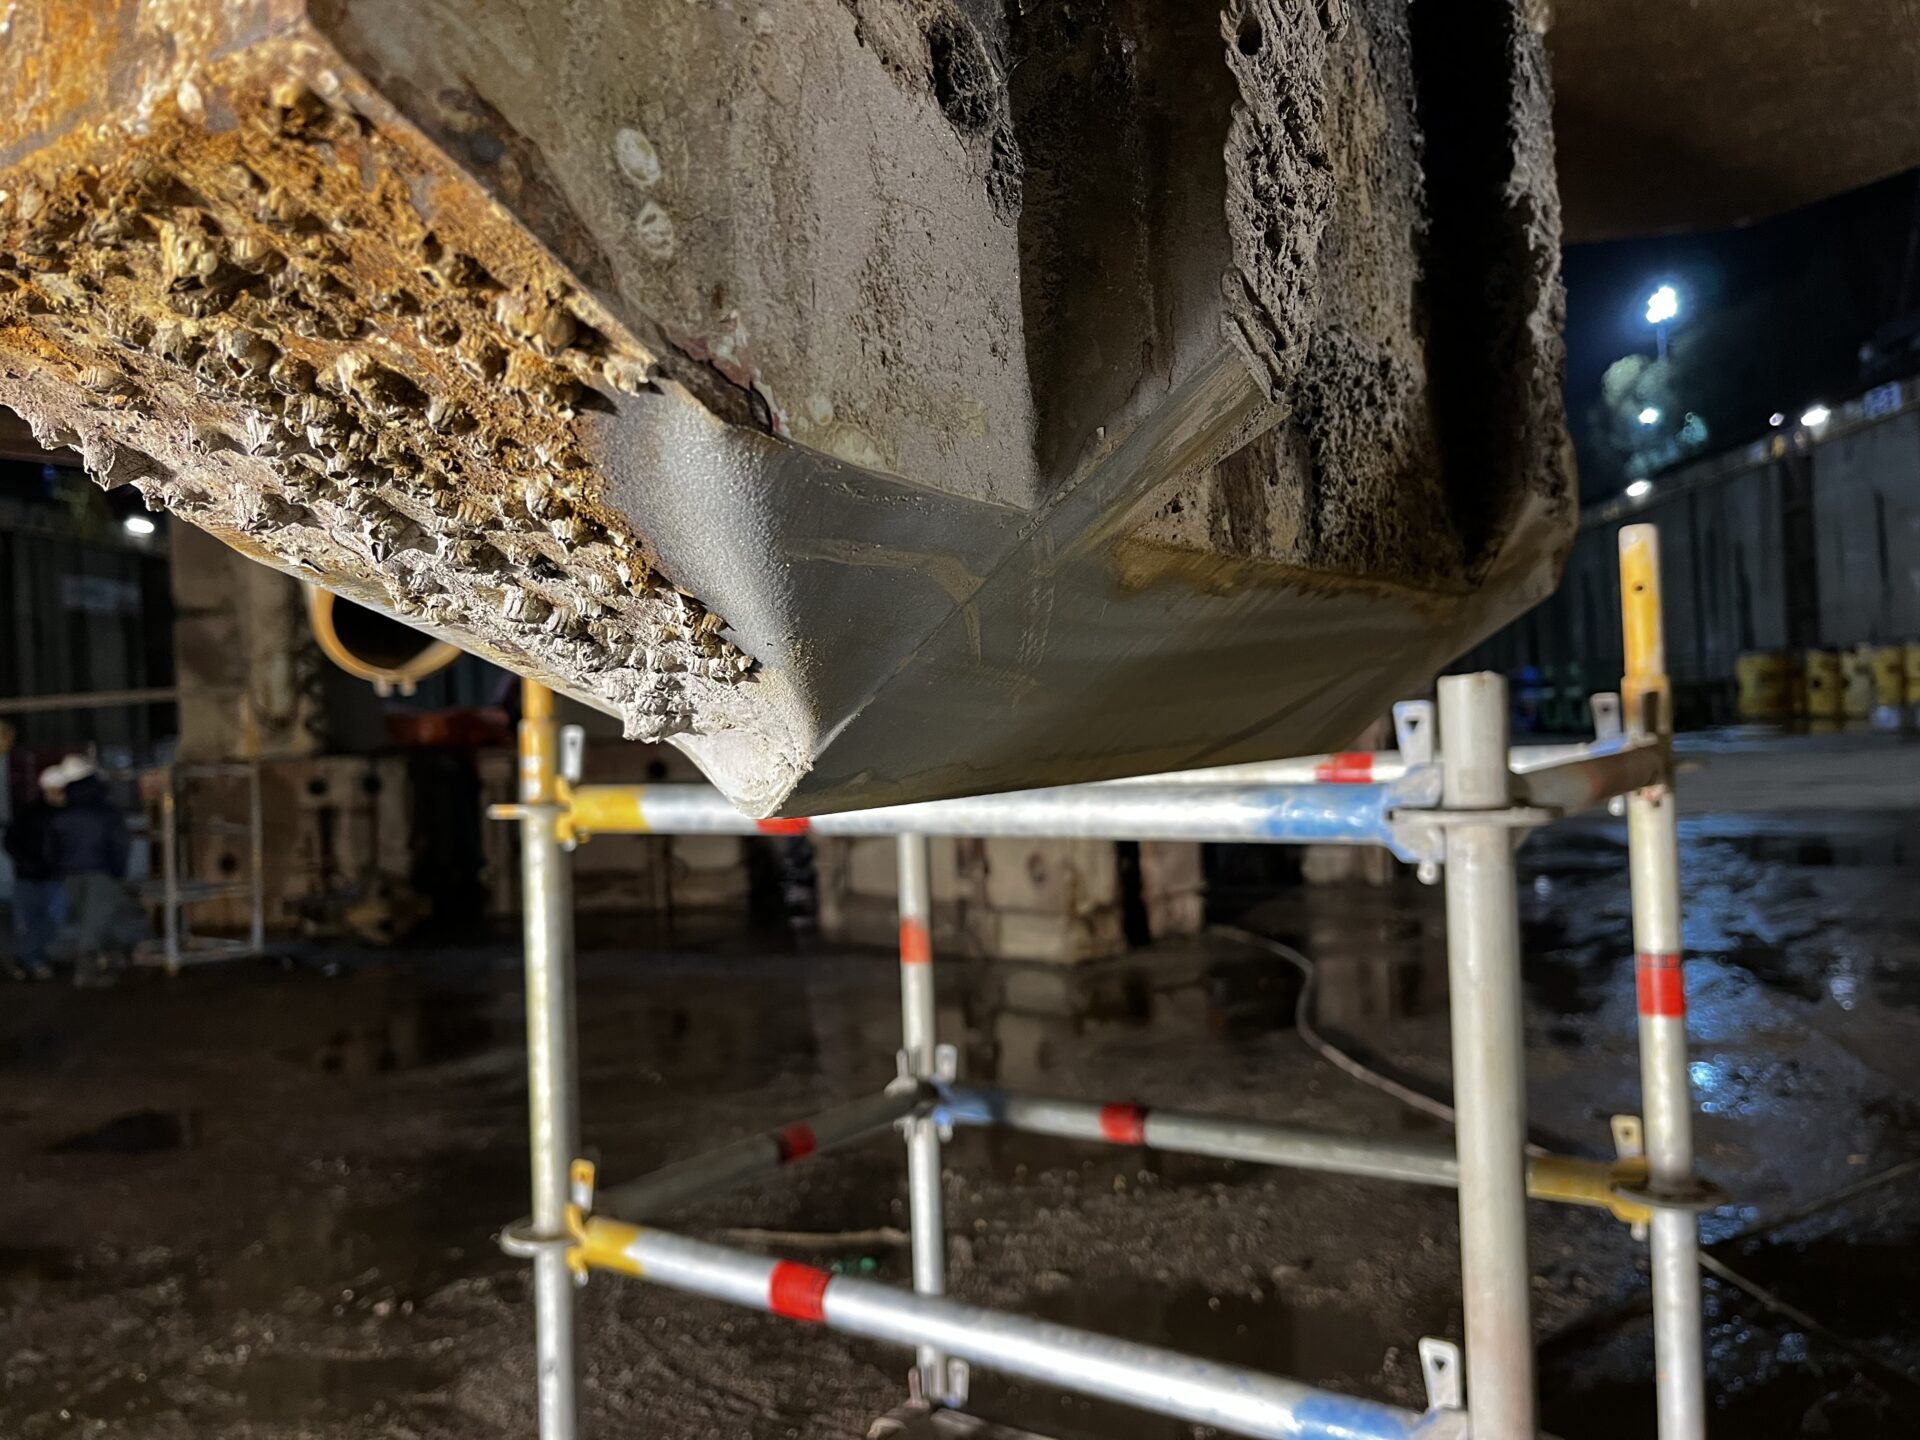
x=1351, y=767
x=1663, y=991
x=783, y=827
x=916, y=946
x=798, y=1292
x=1124, y=1124
x=796, y=1142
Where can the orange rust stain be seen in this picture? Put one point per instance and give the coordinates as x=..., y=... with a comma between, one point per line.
x=314, y=335
x=1144, y=564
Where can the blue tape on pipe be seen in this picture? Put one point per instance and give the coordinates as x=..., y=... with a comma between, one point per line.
x=1337, y=1417
x=1326, y=814
x=970, y=1107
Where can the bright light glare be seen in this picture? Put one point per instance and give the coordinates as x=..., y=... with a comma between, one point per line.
x=1649, y=416
x=1816, y=415
x=138, y=525
x=1639, y=488
x=1776, y=419
x=1663, y=305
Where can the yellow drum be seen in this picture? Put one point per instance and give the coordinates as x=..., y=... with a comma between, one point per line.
x=1826, y=690
x=1765, y=679
x=1856, y=682
x=1890, y=676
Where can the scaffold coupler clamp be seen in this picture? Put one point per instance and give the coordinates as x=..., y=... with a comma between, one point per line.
x=935, y=1087
x=1418, y=788
x=1446, y=1380
x=579, y=1208
x=1419, y=822
x=523, y=1242
x=1635, y=1194
x=1440, y=1368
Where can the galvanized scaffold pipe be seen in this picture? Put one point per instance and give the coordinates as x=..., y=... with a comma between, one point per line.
x=1489, y=1056
x=1226, y=1397
x=1199, y=808
x=553, y=1127
x=1344, y=767
x=919, y=1024
x=256, y=865
x=1563, y=1178
x=1653, y=855
x=1264, y=814
x=1467, y=805
x=657, y=1193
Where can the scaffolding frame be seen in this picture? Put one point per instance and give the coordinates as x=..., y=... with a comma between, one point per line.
x=1459, y=810
x=176, y=891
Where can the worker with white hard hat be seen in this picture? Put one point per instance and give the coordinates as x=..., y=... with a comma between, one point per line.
x=90, y=852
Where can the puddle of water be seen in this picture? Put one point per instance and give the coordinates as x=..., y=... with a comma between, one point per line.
x=34, y=1047
x=1809, y=1391
x=1861, y=1286
x=440, y=1027
x=27, y=1272
x=1818, y=851
x=138, y=1132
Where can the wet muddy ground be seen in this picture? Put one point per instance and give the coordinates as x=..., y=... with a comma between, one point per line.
x=258, y=1202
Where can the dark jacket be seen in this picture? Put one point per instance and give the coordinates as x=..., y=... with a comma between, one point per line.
x=89, y=834
x=30, y=841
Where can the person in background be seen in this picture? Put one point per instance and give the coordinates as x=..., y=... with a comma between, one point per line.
x=90, y=845
x=39, y=897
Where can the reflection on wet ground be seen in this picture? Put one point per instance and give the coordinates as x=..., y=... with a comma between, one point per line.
x=259, y=1201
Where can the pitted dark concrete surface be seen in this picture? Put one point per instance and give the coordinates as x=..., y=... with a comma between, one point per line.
x=857, y=394
x=258, y=1203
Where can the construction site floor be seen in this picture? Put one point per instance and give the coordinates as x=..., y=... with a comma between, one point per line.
x=258, y=1200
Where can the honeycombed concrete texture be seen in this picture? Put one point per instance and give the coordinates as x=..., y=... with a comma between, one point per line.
x=881, y=399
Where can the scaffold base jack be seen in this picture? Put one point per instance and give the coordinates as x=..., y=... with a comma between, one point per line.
x=1458, y=812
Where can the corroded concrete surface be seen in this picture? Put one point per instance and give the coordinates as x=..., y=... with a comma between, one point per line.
x=867, y=395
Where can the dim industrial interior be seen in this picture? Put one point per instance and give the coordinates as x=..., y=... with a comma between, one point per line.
x=933, y=720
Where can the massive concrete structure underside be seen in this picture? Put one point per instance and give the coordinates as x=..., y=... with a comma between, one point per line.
x=879, y=398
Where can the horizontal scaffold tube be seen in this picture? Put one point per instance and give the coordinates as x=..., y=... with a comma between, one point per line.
x=657, y=1193
x=1339, y=801
x=1240, y=1401
x=1282, y=814
x=1420, y=1162
x=1577, y=784
x=1348, y=767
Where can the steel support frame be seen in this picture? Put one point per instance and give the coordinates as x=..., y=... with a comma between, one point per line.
x=552, y=1081
x=1563, y=1178
x=1653, y=854
x=1473, y=806
x=178, y=945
